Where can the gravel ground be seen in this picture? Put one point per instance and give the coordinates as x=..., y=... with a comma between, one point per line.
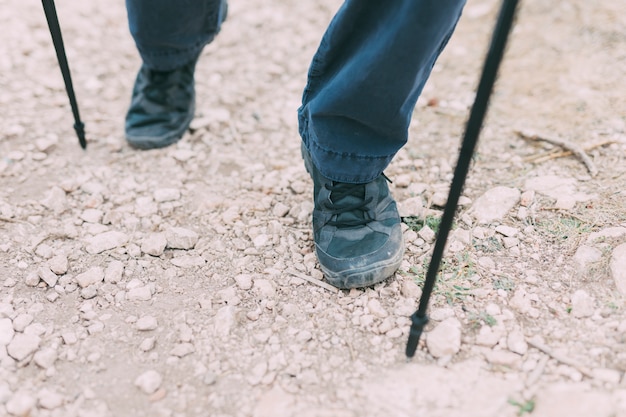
x=183, y=282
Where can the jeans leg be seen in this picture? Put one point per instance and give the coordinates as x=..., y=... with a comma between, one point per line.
x=365, y=79
x=171, y=33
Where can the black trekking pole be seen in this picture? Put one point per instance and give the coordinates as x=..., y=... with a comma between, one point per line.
x=419, y=319
x=57, y=40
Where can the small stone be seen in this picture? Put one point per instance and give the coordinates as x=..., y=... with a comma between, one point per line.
x=154, y=244
x=95, y=327
x=21, y=404
x=617, y=266
x=507, y=230
x=69, y=338
x=22, y=321
x=92, y=276
x=162, y=195
x=516, y=342
x=45, y=358
x=182, y=349
x=147, y=344
x=527, y=198
x=411, y=207
x=224, y=320
x=23, y=345
x=376, y=308
x=611, y=376
x=114, y=271
x=265, y=288
x=89, y=292
x=427, y=234
x=495, y=204
x=445, y=339
x=583, y=305
x=149, y=381
x=261, y=241
x=92, y=215
x=55, y=200
x=147, y=323
x=47, y=276
x=280, y=210
x=181, y=238
x=32, y=279
x=504, y=358
x=488, y=337
x=139, y=294
x=586, y=255
x=410, y=289
x=106, y=241
x=608, y=233
x=58, y=264
x=188, y=261
x=49, y=399
x=6, y=331
x=510, y=242
x=244, y=281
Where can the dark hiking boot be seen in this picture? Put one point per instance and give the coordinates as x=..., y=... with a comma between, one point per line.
x=162, y=107
x=356, y=228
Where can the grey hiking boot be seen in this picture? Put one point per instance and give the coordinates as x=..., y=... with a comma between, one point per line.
x=356, y=228
x=162, y=107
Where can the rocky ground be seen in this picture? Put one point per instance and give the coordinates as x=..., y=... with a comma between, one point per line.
x=182, y=281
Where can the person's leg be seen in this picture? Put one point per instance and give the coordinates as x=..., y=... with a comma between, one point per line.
x=169, y=36
x=365, y=79
x=363, y=84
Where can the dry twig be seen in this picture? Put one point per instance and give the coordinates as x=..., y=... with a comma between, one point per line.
x=312, y=280
x=560, y=358
x=571, y=149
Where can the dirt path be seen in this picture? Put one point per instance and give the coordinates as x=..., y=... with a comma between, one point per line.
x=182, y=282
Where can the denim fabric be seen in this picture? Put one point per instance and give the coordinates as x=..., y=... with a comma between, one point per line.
x=363, y=82
x=172, y=33
x=365, y=79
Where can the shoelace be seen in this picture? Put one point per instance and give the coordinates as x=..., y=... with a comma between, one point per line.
x=338, y=205
x=161, y=80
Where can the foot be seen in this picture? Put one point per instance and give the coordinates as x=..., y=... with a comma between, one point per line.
x=162, y=107
x=356, y=228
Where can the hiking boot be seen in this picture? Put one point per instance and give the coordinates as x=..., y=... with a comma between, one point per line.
x=356, y=228
x=162, y=106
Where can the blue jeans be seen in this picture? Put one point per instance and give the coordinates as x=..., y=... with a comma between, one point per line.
x=363, y=82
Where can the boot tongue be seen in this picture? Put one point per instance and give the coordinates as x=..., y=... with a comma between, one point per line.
x=348, y=196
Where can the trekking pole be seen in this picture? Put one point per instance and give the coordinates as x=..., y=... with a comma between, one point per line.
x=57, y=40
x=419, y=319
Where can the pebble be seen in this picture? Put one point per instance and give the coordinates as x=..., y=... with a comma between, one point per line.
x=427, y=234
x=58, y=264
x=516, y=342
x=224, y=320
x=376, y=308
x=617, y=266
x=411, y=207
x=32, y=279
x=23, y=345
x=114, y=271
x=154, y=244
x=162, y=195
x=181, y=238
x=92, y=276
x=92, y=215
x=487, y=336
x=608, y=233
x=49, y=399
x=147, y=323
x=22, y=321
x=504, y=358
x=21, y=404
x=55, y=200
x=583, y=305
x=149, y=381
x=106, y=241
x=280, y=210
x=410, y=289
x=47, y=276
x=495, y=204
x=586, y=255
x=45, y=358
x=188, y=261
x=244, y=281
x=6, y=331
x=69, y=338
x=445, y=338
x=264, y=288
x=507, y=230
x=182, y=349
x=139, y=294
x=147, y=344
